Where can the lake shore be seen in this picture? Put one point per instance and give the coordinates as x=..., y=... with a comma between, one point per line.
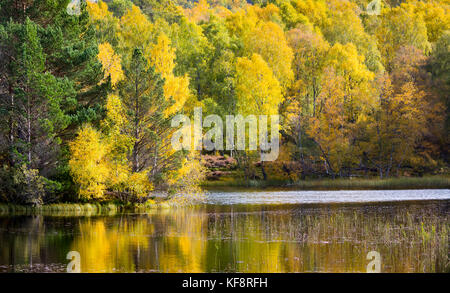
x=85, y=209
x=112, y=208
x=427, y=182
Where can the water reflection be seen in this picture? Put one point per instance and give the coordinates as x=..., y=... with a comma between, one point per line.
x=411, y=237
x=280, y=196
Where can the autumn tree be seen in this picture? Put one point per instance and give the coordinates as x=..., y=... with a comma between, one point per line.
x=396, y=127
x=439, y=65
x=345, y=26
x=258, y=91
x=330, y=128
x=356, y=77
x=99, y=160
x=265, y=38
x=310, y=52
x=401, y=26
x=87, y=163
x=141, y=70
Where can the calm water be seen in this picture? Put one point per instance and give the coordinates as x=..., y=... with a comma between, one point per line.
x=340, y=196
x=277, y=231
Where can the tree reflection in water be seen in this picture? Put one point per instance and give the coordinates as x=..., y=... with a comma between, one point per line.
x=410, y=237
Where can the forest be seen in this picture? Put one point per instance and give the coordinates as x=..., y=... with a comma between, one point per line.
x=88, y=90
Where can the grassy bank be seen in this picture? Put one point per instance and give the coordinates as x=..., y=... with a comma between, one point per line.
x=82, y=209
x=112, y=208
x=429, y=182
x=62, y=209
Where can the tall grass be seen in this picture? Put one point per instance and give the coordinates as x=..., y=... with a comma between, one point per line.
x=429, y=182
x=81, y=209
x=61, y=209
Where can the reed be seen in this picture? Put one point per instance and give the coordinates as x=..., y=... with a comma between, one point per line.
x=428, y=182
x=61, y=209
x=81, y=209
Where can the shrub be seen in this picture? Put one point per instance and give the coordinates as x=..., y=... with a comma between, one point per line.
x=25, y=186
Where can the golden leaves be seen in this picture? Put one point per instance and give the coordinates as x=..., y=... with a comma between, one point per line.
x=136, y=31
x=162, y=57
x=111, y=63
x=87, y=164
x=176, y=88
x=115, y=111
x=268, y=40
x=98, y=11
x=257, y=89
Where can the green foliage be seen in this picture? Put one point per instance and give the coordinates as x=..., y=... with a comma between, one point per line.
x=440, y=59
x=25, y=186
x=49, y=76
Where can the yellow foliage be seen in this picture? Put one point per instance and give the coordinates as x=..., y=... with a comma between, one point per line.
x=348, y=63
x=120, y=173
x=268, y=40
x=267, y=13
x=138, y=184
x=99, y=163
x=345, y=26
x=103, y=21
x=176, y=88
x=116, y=116
x=310, y=56
x=265, y=38
x=241, y=22
x=119, y=144
x=87, y=163
x=401, y=26
x=316, y=11
x=257, y=89
x=136, y=31
x=398, y=124
x=436, y=16
x=162, y=57
x=185, y=180
x=329, y=128
x=111, y=63
x=98, y=11
x=199, y=12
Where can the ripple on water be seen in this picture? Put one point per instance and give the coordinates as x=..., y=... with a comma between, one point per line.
x=339, y=196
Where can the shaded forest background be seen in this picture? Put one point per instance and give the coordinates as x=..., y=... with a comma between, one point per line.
x=87, y=92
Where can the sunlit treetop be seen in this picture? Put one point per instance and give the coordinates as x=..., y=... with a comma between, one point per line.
x=98, y=11
x=265, y=38
x=111, y=63
x=435, y=15
x=401, y=26
x=315, y=11
x=136, y=31
x=348, y=63
x=162, y=56
x=257, y=89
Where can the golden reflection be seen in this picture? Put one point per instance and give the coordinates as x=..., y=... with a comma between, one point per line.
x=227, y=239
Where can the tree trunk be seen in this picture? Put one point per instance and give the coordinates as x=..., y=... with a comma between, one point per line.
x=29, y=129
x=263, y=171
x=136, y=127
